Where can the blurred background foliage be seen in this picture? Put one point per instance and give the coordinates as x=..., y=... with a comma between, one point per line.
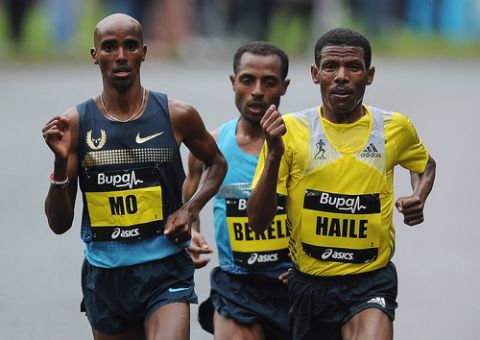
x=62, y=30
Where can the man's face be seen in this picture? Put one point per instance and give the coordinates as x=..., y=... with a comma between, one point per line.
x=257, y=85
x=119, y=52
x=342, y=76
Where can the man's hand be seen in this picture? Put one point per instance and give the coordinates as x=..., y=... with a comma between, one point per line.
x=58, y=137
x=198, y=247
x=284, y=277
x=273, y=125
x=411, y=208
x=179, y=225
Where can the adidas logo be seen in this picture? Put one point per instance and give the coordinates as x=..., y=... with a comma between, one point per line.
x=378, y=300
x=370, y=151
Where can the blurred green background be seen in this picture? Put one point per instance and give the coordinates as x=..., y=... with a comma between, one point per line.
x=61, y=30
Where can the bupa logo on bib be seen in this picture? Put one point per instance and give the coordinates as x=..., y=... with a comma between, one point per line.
x=341, y=203
x=336, y=202
x=126, y=180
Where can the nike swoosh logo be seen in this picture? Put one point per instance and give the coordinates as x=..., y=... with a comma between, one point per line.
x=141, y=140
x=174, y=290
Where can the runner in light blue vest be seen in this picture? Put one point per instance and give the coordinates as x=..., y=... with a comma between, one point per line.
x=249, y=297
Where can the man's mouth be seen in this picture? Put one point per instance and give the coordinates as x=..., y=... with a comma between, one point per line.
x=341, y=92
x=257, y=107
x=121, y=72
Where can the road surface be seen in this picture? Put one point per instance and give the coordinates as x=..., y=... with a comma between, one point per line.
x=437, y=261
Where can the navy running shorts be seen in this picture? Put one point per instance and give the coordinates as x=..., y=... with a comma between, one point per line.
x=117, y=299
x=247, y=299
x=322, y=305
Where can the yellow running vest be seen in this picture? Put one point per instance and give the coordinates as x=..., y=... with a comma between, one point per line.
x=338, y=180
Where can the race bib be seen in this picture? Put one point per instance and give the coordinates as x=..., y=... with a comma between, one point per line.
x=257, y=250
x=124, y=205
x=341, y=228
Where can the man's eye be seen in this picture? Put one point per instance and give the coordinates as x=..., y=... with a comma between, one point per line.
x=108, y=48
x=271, y=82
x=354, y=67
x=132, y=46
x=245, y=81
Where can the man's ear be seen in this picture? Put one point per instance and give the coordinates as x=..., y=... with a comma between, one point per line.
x=286, y=82
x=371, y=75
x=314, y=72
x=232, y=80
x=93, y=53
x=144, y=52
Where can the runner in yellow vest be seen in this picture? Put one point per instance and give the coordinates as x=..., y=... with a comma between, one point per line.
x=334, y=164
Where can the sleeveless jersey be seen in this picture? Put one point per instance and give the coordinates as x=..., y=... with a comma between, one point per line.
x=242, y=251
x=131, y=176
x=340, y=198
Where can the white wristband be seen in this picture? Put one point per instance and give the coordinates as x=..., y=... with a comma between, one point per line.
x=60, y=184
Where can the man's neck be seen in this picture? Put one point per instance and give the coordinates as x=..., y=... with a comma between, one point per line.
x=123, y=103
x=343, y=117
x=249, y=136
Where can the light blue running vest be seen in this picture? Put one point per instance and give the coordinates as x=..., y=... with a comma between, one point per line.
x=236, y=185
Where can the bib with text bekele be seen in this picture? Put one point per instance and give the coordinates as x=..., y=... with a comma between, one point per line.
x=257, y=250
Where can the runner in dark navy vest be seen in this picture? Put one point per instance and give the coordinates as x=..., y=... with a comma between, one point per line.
x=122, y=147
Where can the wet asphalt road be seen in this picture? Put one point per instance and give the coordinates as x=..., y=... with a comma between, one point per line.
x=437, y=261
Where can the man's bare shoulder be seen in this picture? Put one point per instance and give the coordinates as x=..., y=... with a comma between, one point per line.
x=214, y=133
x=73, y=116
x=186, y=121
x=71, y=113
x=74, y=121
x=179, y=109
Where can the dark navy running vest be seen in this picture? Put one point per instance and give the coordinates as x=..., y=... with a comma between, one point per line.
x=131, y=177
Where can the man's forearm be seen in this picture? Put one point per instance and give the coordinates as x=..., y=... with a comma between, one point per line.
x=262, y=204
x=60, y=201
x=423, y=183
x=214, y=175
x=59, y=209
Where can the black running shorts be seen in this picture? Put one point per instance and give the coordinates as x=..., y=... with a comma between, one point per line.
x=247, y=299
x=320, y=306
x=118, y=299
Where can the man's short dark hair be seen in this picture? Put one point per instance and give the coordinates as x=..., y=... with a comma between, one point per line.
x=262, y=48
x=343, y=37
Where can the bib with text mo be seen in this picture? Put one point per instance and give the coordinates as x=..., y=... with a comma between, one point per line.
x=254, y=249
x=341, y=228
x=124, y=204
x=125, y=208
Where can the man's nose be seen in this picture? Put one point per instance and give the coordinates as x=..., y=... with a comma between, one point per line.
x=257, y=90
x=341, y=75
x=121, y=53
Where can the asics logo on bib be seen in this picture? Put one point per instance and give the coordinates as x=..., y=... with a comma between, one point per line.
x=125, y=233
x=254, y=258
x=337, y=255
x=119, y=181
x=342, y=203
